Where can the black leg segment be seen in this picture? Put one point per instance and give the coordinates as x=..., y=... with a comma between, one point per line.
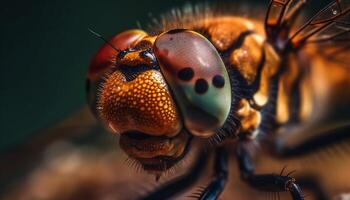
x=219, y=179
x=266, y=182
x=312, y=184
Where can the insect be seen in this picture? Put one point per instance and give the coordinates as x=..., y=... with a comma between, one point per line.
x=235, y=84
x=223, y=78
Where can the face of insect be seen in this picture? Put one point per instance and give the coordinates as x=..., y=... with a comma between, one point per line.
x=157, y=91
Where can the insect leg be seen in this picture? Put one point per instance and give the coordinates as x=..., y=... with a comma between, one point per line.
x=265, y=182
x=217, y=184
x=319, y=140
x=311, y=184
x=181, y=183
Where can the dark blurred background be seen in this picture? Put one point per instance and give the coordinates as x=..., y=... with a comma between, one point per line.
x=45, y=49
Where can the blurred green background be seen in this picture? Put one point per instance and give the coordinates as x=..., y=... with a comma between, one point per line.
x=45, y=49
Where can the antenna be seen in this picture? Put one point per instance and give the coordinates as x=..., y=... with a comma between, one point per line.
x=104, y=39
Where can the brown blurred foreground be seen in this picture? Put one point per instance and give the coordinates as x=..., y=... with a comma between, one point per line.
x=96, y=169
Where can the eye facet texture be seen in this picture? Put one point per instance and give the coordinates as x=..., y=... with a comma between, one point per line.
x=104, y=60
x=198, y=78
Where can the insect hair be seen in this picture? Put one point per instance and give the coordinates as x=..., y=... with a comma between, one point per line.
x=103, y=39
x=186, y=16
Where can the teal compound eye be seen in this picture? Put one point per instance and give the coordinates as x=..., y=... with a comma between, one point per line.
x=197, y=77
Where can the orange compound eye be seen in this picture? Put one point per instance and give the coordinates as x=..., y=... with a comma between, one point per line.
x=105, y=56
x=104, y=60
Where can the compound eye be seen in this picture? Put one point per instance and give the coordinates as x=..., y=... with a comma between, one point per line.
x=198, y=78
x=105, y=56
x=104, y=60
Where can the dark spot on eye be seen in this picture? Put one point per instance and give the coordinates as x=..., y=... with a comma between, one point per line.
x=171, y=39
x=185, y=74
x=218, y=81
x=201, y=86
x=174, y=31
